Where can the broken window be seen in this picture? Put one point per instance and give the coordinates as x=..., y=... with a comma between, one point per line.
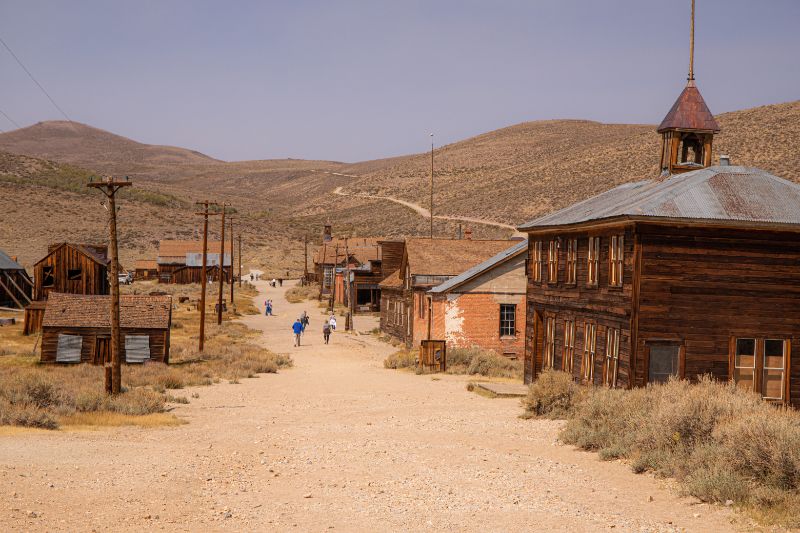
x=48, y=280
x=74, y=274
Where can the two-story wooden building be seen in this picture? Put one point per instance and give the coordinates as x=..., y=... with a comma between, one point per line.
x=695, y=272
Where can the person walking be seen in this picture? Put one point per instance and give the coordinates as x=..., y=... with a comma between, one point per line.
x=326, y=332
x=280, y=282
x=268, y=305
x=332, y=322
x=304, y=320
x=297, y=329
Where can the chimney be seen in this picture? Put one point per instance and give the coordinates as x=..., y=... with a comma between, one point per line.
x=14, y=258
x=468, y=234
x=724, y=160
x=327, y=233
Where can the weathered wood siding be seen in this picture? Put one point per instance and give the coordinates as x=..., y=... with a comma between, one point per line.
x=183, y=275
x=608, y=307
x=702, y=287
x=394, y=313
x=18, y=283
x=62, y=259
x=159, y=342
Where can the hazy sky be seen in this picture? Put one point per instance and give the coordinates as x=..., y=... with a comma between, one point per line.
x=354, y=80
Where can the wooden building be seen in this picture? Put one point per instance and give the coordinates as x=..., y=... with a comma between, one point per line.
x=483, y=307
x=145, y=269
x=16, y=288
x=425, y=264
x=77, y=328
x=73, y=269
x=696, y=272
x=181, y=262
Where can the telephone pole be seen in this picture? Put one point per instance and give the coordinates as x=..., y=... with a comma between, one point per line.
x=113, y=370
x=203, y=273
x=305, y=252
x=431, y=186
x=240, y=259
x=232, y=261
x=221, y=265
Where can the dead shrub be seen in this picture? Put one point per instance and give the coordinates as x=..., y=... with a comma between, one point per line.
x=301, y=293
x=477, y=361
x=554, y=394
x=401, y=359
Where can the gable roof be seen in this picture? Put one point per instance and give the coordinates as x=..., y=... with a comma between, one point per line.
x=361, y=249
x=175, y=251
x=747, y=196
x=392, y=281
x=145, y=264
x=88, y=250
x=469, y=274
x=6, y=263
x=448, y=257
x=689, y=112
x=94, y=311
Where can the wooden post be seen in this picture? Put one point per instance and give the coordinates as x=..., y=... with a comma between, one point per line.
x=240, y=259
x=221, y=266
x=305, y=258
x=333, y=281
x=203, y=275
x=114, y=368
x=231, y=261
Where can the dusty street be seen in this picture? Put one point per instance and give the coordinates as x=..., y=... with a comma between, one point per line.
x=335, y=443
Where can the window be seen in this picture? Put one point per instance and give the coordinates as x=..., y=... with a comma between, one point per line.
x=615, y=258
x=572, y=260
x=593, y=262
x=536, y=261
x=664, y=361
x=508, y=320
x=68, y=349
x=74, y=274
x=328, y=277
x=552, y=262
x=47, y=277
x=612, y=357
x=137, y=348
x=589, y=345
x=569, y=345
x=549, y=342
x=759, y=365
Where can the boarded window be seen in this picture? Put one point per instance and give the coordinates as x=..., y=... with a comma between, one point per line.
x=552, y=262
x=593, y=262
x=612, y=357
x=664, y=362
x=589, y=345
x=536, y=261
x=616, y=254
x=137, y=348
x=48, y=280
x=760, y=365
x=569, y=345
x=572, y=261
x=69, y=348
x=508, y=320
x=549, y=342
x=74, y=274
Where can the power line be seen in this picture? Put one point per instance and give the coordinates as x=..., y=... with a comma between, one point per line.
x=28, y=72
x=11, y=120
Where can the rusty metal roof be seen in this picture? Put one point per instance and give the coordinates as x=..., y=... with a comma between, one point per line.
x=499, y=259
x=94, y=311
x=729, y=193
x=689, y=112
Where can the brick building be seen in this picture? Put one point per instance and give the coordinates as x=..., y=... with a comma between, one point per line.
x=484, y=306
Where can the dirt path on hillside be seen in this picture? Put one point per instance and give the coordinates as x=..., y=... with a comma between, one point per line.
x=425, y=213
x=336, y=443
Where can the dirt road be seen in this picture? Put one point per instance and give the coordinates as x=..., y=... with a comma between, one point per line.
x=336, y=443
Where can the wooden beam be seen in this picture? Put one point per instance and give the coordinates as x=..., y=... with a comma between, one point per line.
x=14, y=283
x=3, y=286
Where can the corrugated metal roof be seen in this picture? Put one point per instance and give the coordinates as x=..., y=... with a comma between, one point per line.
x=481, y=268
x=726, y=193
x=6, y=263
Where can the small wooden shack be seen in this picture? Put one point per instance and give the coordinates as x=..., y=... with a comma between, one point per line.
x=182, y=261
x=77, y=328
x=15, y=285
x=73, y=269
x=145, y=269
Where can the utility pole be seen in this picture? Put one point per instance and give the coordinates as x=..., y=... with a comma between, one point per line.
x=240, y=259
x=305, y=251
x=203, y=273
x=113, y=370
x=431, y=186
x=232, y=261
x=333, y=283
x=221, y=266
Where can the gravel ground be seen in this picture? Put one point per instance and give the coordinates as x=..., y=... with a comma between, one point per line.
x=336, y=443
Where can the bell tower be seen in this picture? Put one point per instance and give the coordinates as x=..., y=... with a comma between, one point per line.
x=687, y=132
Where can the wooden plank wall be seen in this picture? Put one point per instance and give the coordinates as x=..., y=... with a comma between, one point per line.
x=159, y=342
x=604, y=305
x=389, y=299
x=94, y=278
x=703, y=286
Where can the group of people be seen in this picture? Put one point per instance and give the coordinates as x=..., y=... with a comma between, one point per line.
x=275, y=282
x=299, y=328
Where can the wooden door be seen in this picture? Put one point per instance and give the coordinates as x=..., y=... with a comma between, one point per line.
x=102, y=350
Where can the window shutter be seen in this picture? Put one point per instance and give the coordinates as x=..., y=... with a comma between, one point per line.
x=69, y=348
x=137, y=348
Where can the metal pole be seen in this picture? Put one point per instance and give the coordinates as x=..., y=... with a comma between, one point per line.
x=221, y=266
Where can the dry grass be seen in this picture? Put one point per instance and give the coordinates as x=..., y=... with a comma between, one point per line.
x=401, y=359
x=300, y=293
x=108, y=419
x=476, y=361
x=553, y=395
x=721, y=443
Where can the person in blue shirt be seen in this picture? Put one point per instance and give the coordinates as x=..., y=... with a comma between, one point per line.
x=297, y=328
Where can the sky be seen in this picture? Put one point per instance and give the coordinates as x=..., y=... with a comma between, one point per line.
x=355, y=80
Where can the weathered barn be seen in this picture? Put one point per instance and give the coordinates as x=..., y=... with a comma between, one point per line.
x=16, y=288
x=145, y=269
x=483, y=307
x=73, y=269
x=425, y=264
x=182, y=261
x=696, y=272
x=77, y=328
